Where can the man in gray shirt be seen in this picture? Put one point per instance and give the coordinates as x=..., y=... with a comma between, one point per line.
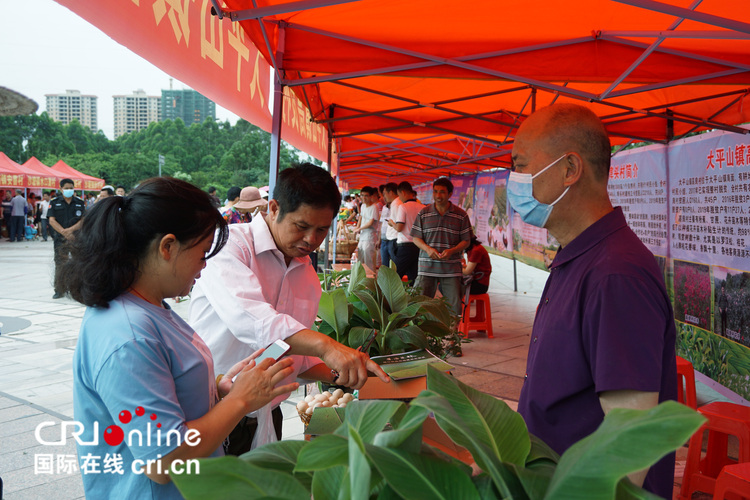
x=17, y=216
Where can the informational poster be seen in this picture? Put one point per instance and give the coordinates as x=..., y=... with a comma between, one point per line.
x=424, y=193
x=710, y=199
x=463, y=193
x=491, y=220
x=638, y=184
x=709, y=229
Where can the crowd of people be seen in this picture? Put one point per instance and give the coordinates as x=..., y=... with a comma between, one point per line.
x=425, y=243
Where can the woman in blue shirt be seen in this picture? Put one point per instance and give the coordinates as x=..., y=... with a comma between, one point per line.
x=145, y=394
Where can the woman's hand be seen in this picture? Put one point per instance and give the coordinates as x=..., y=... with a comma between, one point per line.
x=256, y=386
x=225, y=384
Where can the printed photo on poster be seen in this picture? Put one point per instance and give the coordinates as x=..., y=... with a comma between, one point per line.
x=692, y=293
x=732, y=304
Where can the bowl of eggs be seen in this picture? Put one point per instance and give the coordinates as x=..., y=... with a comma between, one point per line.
x=336, y=399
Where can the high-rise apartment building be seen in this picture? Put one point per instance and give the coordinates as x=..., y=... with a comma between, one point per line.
x=72, y=105
x=134, y=112
x=188, y=105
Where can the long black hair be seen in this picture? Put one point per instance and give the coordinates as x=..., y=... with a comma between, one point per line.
x=116, y=235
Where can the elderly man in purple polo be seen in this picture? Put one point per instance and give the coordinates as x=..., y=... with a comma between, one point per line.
x=604, y=333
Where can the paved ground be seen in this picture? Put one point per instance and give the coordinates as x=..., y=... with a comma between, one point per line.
x=39, y=336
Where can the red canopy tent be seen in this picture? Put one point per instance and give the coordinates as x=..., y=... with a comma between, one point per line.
x=413, y=90
x=10, y=173
x=80, y=180
x=40, y=175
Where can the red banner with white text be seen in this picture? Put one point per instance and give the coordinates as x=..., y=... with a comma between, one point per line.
x=212, y=56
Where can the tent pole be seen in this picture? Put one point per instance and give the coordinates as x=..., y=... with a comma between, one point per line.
x=278, y=109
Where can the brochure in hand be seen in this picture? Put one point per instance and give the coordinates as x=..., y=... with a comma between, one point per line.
x=410, y=364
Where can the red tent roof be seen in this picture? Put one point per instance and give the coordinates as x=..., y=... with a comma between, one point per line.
x=417, y=89
x=40, y=175
x=80, y=180
x=11, y=174
x=430, y=87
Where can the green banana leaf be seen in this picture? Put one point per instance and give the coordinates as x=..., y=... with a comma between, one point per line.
x=393, y=289
x=418, y=477
x=334, y=310
x=330, y=484
x=281, y=456
x=323, y=452
x=372, y=305
x=412, y=335
x=638, y=438
x=368, y=417
x=230, y=477
x=357, y=277
x=483, y=418
x=407, y=427
x=359, y=468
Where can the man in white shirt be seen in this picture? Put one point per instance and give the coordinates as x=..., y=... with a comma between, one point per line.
x=367, y=227
x=385, y=214
x=391, y=197
x=42, y=208
x=407, y=253
x=262, y=287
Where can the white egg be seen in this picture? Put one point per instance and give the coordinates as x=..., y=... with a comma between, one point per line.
x=342, y=400
x=348, y=397
x=326, y=394
x=302, y=406
x=309, y=410
x=325, y=404
x=321, y=397
x=309, y=397
x=342, y=405
x=338, y=393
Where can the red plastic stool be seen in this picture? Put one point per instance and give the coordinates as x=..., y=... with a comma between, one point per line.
x=685, y=372
x=733, y=479
x=482, y=320
x=724, y=419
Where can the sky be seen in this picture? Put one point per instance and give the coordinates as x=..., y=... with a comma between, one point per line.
x=47, y=49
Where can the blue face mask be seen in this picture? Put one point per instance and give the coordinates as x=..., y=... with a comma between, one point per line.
x=68, y=193
x=521, y=197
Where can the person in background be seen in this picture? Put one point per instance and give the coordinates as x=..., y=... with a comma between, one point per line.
x=42, y=208
x=214, y=198
x=64, y=216
x=233, y=196
x=391, y=235
x=406, y=255
x=367, y=227
x=120, y=190
x=385, y=214
x=604, y=332
x=137, y=364
x=262, y=287
x=106, y=192
x=19, y=208
x=7, y=210
x=249, y=203
x=442, y=231
x=478, y=266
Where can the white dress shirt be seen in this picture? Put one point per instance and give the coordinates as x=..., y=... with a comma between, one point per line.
x=391, y=233
x=247, y=298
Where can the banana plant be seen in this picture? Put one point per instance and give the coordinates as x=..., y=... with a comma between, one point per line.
x=377, y=453
x=404, y=321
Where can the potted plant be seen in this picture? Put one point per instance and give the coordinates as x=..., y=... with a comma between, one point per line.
x=377, y=453
x=404, y=319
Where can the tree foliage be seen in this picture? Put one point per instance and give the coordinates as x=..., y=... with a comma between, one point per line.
x=208, y=153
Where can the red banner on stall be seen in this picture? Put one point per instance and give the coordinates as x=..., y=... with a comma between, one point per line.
x=214, y=57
